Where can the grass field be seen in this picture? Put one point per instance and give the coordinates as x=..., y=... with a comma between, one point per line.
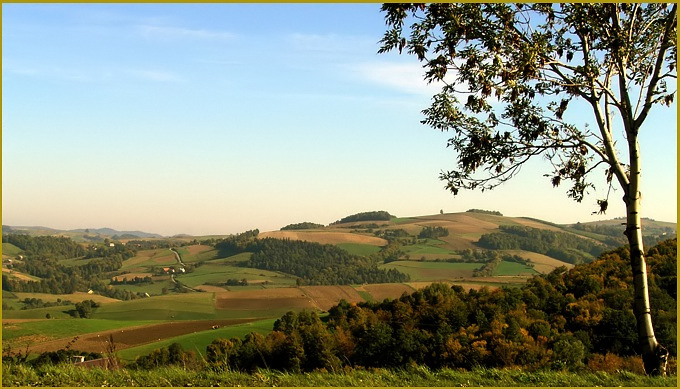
x=506, y=268
x=61, y=328
x=10, y=250
x=188, y=306
x=147, y=258
x=359, y=248
x=68, y=375
x=433, y=271
x=196, y=253
x=219, y=273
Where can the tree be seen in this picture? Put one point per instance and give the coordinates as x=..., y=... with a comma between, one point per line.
x=509, y=73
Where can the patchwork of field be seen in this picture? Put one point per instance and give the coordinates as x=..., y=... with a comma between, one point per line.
x=215, y=273
x=131, y=336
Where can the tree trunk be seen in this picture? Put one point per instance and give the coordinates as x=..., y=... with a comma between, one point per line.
x=654, y=355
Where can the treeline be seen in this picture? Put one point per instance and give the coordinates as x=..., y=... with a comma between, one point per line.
x=302, y=226
x=433, y=232
x=313, y=263
x=560, y=245
x=475, y=210
x=55, y=247
x=563, y=320
x=365, y=216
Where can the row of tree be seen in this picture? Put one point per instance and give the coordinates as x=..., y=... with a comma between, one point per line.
x=365, y=216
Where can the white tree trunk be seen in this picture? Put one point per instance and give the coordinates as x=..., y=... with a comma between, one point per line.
x=654, y=356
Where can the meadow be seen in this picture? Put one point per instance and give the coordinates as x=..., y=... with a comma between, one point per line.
x=178, y=376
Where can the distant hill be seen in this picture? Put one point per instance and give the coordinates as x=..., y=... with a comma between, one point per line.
x=81, y=234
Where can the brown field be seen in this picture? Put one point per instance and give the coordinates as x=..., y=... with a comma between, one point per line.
x=325, y=237
x=265, y=299
x=542, y=263
x=380, y=292
x=21, y=276
x=132, y=336
x=199, y=248
x=324, y=297
x=74, y=297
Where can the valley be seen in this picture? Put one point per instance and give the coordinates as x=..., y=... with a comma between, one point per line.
x=151, y=291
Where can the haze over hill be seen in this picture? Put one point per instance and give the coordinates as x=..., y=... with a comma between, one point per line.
x=649, y=226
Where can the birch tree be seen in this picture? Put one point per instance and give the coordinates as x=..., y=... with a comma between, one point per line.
x=509, y=74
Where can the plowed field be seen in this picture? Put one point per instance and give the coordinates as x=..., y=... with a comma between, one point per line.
x=133, y=336
x=324, y=297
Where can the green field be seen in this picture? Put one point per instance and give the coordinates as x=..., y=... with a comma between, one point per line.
x=219, y=273
x=207, y=253
x=155, y=288
x=187, y=306
x=57, y=328
x=432, y=271
x=359, y=248
x=506, y=268
x=430, y=247
x=199, y=341
x=10, y=250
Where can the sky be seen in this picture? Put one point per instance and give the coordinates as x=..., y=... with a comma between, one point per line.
x=219, y=118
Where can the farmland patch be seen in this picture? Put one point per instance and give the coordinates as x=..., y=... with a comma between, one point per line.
x=432, y=271
x=542, y=263
x=325, y=237
x=379, y=292
x=324, y=297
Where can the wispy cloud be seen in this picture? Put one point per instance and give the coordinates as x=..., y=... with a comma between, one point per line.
x=403, y=77
x=173, y=33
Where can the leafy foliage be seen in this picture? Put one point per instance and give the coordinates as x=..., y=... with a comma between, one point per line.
x=301, y=226
x=365, y=216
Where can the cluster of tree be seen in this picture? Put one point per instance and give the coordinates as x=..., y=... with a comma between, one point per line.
x=614, y=233
x=433, y=232
x=102, y=288
x=560, y=320
x=302, y=226
x=365, y=216
x=475, y=210
x=54, y=247
x=560, y=245
x=236, y=244
x=317, y=264
x=392, y=234
x=173, y=355
x=84, y=309
x=122, y=280
x=235, y=282
x=31, y=303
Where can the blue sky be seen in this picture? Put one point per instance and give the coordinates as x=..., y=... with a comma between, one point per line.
x=218, y=118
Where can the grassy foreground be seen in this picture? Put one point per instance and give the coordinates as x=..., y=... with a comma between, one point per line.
x=71, y=376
